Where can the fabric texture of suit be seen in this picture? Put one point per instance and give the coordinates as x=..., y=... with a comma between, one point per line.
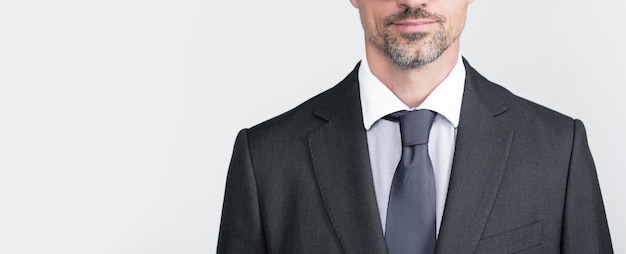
x=523, y=180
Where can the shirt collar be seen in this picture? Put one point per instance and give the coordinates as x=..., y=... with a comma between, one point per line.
x=378, y=101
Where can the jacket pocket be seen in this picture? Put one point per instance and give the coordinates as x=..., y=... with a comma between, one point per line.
x=513, y=241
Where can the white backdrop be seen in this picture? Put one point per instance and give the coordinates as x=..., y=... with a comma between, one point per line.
x=117, y=118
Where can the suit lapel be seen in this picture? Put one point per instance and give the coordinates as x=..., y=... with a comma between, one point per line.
x=480, y=158
x=341, y=163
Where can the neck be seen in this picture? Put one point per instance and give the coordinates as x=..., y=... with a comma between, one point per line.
x=411, y=86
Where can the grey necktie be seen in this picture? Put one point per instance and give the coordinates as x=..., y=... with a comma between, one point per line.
x=411, y=219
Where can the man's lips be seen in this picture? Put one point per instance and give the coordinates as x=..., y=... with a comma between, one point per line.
x=413, y=25
x=414, y=22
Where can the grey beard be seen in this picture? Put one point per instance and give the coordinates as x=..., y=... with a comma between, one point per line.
x=408, y=57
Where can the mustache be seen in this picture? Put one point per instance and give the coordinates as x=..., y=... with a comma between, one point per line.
x=417, y=13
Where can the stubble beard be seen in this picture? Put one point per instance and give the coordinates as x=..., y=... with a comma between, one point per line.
x=411, y=50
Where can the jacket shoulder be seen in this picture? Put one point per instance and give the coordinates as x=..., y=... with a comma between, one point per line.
x=315, y=108
x=521, y=112
x=310, y=114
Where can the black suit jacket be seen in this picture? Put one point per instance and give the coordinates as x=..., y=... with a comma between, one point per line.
x=523, y=180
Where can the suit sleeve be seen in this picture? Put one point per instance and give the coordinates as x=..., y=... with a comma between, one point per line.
x=585, y=228
x=241, y=230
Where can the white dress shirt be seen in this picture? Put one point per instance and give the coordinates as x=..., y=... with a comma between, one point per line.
x=383, y=136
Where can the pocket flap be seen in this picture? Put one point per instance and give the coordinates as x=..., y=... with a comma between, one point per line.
x=513, y=241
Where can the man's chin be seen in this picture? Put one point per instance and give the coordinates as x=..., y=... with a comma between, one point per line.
x=413, y=57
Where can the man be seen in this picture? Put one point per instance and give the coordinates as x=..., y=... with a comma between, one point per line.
x=493, y=173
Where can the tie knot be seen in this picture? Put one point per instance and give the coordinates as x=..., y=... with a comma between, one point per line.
x=414, y=125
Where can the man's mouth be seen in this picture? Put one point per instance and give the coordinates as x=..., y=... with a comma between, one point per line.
x=413, y=25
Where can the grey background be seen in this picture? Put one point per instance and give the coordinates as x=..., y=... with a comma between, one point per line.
x=117, y=118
